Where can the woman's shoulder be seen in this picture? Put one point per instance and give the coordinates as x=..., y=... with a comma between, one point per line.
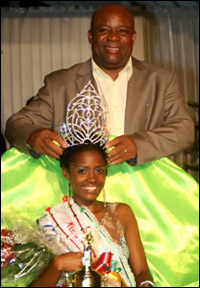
x=124, y=214
x=121, y=208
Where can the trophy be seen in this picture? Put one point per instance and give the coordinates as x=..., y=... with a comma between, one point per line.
x=86, y=276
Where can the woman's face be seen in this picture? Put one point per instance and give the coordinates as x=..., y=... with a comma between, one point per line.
x=87, y=174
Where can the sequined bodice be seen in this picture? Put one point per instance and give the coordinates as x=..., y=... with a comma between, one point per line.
x=112, y=224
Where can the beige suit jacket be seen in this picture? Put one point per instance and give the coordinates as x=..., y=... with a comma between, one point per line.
x=156, y=117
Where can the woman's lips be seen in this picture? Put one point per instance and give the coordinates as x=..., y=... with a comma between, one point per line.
x=90, y=188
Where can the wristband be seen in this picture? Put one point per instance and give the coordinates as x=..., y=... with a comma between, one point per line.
x=132, y=161
x=146, y=282
x=32, y=152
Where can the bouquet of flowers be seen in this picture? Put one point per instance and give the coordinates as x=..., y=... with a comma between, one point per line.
x=25, y=253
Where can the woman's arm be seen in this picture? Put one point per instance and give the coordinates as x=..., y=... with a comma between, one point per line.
x=137, y=257
x=68, y=262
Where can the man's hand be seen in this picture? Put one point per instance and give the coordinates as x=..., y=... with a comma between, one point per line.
x=124, y=150
x=41, y=140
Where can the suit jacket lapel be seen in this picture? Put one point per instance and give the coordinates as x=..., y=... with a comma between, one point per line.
x=84, y=76
x=135, y=113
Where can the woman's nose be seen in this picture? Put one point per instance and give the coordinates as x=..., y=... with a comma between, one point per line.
x=91, y=177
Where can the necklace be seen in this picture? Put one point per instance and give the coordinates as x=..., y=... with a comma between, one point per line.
x=82, y=210
x=57, y=224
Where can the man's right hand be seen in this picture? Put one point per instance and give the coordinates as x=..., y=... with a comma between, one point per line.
x=41, y=140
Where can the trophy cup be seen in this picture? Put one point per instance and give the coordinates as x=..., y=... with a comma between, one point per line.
x=86, y=276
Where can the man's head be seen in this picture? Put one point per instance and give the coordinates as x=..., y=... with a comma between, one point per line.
x=112, y=36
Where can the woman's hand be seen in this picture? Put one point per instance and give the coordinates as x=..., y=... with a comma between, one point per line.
x=69, y=262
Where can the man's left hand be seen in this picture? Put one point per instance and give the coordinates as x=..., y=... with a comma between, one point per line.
x=124, y=150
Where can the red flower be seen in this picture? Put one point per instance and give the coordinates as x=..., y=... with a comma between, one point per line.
x=7, y=256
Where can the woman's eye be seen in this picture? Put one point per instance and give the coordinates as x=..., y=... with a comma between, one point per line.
x=100, y=170
x=81, y=171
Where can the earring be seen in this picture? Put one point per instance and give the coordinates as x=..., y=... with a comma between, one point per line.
x=68, y=193
x=104, y=198
x=66, y=198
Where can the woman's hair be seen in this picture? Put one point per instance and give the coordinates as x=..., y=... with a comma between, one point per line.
x=68, y=154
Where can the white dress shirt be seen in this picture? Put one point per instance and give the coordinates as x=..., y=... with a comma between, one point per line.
x=114, y=93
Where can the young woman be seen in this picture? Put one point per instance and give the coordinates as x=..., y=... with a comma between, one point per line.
x=114, y=227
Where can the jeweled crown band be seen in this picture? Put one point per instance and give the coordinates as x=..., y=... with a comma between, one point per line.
x=86, y=118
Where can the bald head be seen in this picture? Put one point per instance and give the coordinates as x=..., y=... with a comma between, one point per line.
x=111, y=8
x=112, y=36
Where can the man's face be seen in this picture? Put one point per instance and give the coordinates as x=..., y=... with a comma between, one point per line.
x=112, y=37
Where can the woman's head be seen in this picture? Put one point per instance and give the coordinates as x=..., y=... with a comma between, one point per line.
x=85, y=167
x=68, y=153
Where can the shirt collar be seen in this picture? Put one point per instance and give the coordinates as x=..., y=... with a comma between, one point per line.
x=127, y=69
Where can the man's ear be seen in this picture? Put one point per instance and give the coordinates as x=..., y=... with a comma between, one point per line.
x=134, y=36
x=90, y=36
x=65, y=172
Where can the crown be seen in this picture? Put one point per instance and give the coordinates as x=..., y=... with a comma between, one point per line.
x=86, y=118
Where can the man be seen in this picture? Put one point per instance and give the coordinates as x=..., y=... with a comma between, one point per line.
x=146, y=110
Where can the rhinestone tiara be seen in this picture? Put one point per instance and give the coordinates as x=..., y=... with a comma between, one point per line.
x=86, y=119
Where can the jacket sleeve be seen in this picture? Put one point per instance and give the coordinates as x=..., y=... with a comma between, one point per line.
x=37, y=114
